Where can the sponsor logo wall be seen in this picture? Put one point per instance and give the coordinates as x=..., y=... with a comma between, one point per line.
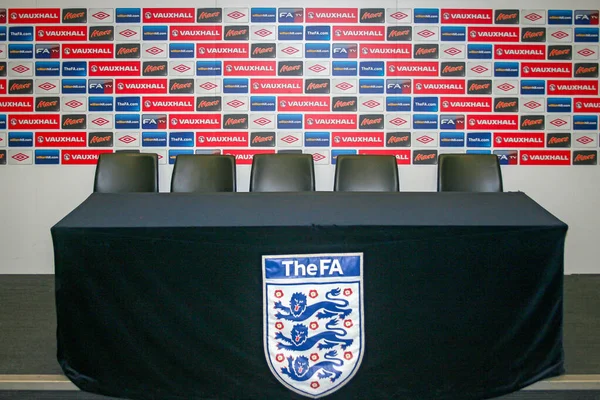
x=413, y=83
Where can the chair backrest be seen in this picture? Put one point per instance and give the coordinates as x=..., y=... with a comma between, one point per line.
x=469, y=173
x=203, y=173
x=126, y=172
x=366, y=173
x=282, y=173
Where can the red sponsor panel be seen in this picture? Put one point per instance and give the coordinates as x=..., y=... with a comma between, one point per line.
x=244, y=157
x=545, y=157
x=222, y=139
x=276, y=85
x=195, y=32
x=195, y=121
x=546, y=70
x=34, y=16
x=519, y=52
x=572, y=87
x=332, y=15
x=168, y=103
x=16, y=104
x=439, y=86
x=145, y=86
x=250, y=68
x=60, y=139
x=387, y=50
x=303, y=103
x=494, y=34
x=33, y=121
x=88, y=50
x=165, y=15
x=222, y=50
x=586, y=105
x=61, y=33
x=2, y=86
x=356, y=33
x=466, y=104
x=82, y=157
x=519, y=139
x=115, y=68
x=467, y=16
x=330, y=121
x=402, y=156
x=357, y=139
x=493, y=122
x=412, y=68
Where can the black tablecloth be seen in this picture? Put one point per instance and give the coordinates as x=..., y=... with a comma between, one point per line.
x=160, y=296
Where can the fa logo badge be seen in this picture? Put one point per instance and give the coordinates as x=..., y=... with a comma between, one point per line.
x=313, y=320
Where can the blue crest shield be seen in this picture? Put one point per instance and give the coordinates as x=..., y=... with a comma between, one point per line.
x=313, y=320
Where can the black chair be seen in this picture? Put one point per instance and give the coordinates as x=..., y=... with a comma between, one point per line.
x=126, y=172
x=469, y=173
x=282, y=173
x=366, y=173
x=203, y=173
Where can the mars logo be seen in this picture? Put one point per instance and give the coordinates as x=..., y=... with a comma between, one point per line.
x=314, y=339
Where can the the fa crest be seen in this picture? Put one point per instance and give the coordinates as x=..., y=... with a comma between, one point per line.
x=313, y=320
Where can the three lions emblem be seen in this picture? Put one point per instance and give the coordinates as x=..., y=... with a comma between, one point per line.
x=313, y=320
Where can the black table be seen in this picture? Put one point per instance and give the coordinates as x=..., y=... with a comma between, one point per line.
x=160, y=296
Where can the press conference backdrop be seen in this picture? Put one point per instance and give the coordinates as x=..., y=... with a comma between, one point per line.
x=412, y=79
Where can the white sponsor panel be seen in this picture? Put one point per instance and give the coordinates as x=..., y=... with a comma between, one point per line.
x=398, y=16
x=290, y=139
x=425, y=139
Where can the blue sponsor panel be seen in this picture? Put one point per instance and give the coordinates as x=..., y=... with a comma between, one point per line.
x=586, y=17
x=127, y=121
x=452, y=122
x=154, y=121
x=128, y=15
x=74, y=86
x=181, y=50
x=559, y=105
x=425, y=121
x=479, y=139
x=289, y=121
x=290, y=32
x=47, y=157
x=155, y=32
x=290, y=15
x=317, y=139
x=20, y=139
x=398, y=103
x=312, y=265
x=174, y=153
x=19, y=51
x=101, y=103
x=128, y=104
x=154, y=139
x=47, y=50
x=209, y=68
x=533, y=86
x=2, y=122
x=318, y=32
x=2, y=33
x=344, y=50
x=480, y=51
x=235, y=85
x=336, y=153
x=344, y=68
x=425, y=104
x=181, y=139
x=585, y=122
x=20, y=34
x=479, y=152
x=426, y=16
x=372, y=68
x=317, y=50
x=506, y=69
x=453, y=34
x=74, y=68
x=560, y=17
x=452, y=139
x=371, y=86
x=100, y=86
x=398, y=86
x=263, y=14
x=263, y=103
x=47, y=68
x=586, y=35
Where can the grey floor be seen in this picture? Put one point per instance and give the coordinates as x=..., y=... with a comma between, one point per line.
x=28, y=325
